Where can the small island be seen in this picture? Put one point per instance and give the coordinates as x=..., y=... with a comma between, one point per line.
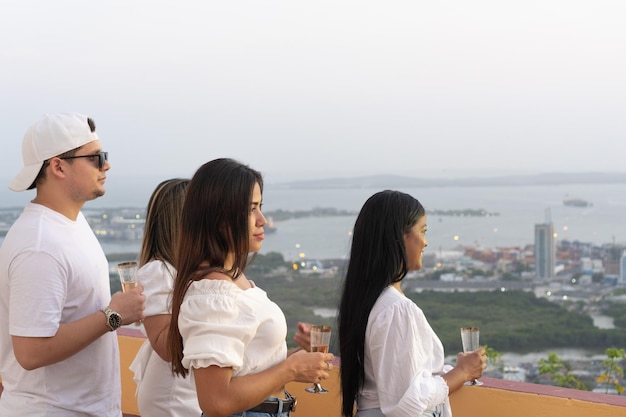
x=281, y=215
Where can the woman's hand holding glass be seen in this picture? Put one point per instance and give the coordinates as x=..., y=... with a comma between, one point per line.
x=303, y=340
x=474, y=360
x=310, y=366
x=320, y=342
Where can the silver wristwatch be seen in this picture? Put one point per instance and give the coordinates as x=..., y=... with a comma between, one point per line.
x=114, y=320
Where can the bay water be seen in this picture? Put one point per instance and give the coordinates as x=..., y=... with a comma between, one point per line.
x=515, y=210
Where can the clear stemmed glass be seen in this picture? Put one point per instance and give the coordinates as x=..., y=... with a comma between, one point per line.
x=127, y=271
x=469, y=338
x=320, y=340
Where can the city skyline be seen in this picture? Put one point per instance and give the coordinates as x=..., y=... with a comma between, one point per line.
x=515, y=209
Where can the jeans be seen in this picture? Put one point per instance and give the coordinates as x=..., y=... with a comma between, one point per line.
x=253, y=414
x=258, y=414
x=375, y=412
x=435, y=412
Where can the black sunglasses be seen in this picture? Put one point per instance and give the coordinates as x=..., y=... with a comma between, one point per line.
x=103, y=157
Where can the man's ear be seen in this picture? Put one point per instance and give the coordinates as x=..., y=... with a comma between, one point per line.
x=55, y=167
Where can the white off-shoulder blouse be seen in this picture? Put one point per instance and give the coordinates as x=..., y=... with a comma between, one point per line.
x=223, y=325
x=404, y=359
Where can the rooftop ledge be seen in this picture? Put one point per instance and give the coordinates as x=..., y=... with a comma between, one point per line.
x=496, y=398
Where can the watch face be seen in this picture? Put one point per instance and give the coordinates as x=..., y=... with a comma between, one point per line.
x=115, y=320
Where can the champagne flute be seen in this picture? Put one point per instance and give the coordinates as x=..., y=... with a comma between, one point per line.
x=127, y=271
x=320, y=340
x=469, y=338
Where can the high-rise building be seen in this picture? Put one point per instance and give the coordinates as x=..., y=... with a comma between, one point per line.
x=622, y=270
x=613, y=258
x=544, y=250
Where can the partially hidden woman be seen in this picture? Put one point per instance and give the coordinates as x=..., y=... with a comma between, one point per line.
x=225, y=331
x=160, y=393
x=392, y=362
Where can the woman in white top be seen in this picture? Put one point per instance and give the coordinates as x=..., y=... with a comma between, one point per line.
x=391, y=359
x=225, y=330
x=159, y=392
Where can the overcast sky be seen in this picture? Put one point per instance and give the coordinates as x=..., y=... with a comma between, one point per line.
x=321, y=88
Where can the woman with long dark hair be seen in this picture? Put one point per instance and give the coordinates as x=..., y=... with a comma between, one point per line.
x=225, y=330
x=391, y=359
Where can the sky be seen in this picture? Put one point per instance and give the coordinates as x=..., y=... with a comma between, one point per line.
x=323, y=89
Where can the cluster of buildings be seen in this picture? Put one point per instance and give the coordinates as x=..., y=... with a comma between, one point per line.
x=547, y=259
x=122, y=224
x=559, y=270
x=580, y=260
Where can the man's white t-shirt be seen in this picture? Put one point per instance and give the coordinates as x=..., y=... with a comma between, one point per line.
x=53, y=270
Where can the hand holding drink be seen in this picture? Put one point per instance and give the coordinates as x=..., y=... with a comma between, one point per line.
x=320, y=340
x=127, y=271
x=469, y=339
x=129, y=305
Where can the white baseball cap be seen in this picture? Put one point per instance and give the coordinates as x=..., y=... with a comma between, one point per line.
x=53, y=135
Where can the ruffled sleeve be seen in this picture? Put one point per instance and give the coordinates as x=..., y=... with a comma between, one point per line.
x=157, y=278
x=401, y=347
x=216, y=324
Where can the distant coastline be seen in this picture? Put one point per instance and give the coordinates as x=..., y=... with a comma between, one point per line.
x=394, y=181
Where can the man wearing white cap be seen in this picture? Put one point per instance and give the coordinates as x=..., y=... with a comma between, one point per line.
x=58, y=351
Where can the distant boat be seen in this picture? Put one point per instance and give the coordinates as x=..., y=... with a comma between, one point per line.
x=575, y=202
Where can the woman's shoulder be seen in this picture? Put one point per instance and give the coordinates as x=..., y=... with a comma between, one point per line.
x=391, y=295
x=208, y=297
x=395, y=314
x=213, y=289
x=156, y=265
x=392, y=302
x=155, y=271
x=214, y=283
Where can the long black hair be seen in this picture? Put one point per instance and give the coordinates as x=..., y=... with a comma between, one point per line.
x=377, y=259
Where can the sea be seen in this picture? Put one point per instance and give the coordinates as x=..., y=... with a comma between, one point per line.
x=514, y=211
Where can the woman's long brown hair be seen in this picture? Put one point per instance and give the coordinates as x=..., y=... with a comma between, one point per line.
x=214, y=225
